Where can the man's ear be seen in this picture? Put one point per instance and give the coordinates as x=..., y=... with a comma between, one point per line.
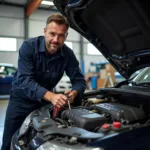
x=45, y=29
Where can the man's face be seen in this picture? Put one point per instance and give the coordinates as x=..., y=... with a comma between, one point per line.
x=55, y=36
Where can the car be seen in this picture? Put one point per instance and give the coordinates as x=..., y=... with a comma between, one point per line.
x=109, y=118
x=6, y=74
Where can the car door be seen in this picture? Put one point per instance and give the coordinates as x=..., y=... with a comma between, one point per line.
x=6, y=75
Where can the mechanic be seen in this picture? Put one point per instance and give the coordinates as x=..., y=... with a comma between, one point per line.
x=41, y=64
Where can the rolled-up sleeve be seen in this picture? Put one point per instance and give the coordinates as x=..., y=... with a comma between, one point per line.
x=26, y=72
x=75, y=75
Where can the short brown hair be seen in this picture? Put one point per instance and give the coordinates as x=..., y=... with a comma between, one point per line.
x=58, y=18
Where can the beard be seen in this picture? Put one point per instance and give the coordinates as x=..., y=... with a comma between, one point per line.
x=53, y=47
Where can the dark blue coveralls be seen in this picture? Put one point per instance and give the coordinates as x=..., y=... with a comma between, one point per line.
x=37, y=72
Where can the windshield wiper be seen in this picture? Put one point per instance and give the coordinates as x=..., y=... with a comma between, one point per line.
x=145, y=84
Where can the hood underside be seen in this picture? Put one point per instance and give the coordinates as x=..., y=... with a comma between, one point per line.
x=120, y=30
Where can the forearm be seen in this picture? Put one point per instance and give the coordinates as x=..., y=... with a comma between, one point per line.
x=48, y=96
x=30, y=87
x=57, y=100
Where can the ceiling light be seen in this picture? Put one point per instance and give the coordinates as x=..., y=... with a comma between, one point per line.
x=47, y=3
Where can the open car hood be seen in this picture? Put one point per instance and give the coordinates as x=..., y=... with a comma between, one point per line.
x=120, y=30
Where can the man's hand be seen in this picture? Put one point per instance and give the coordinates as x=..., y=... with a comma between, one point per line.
x=71, y=95
x=57, y=100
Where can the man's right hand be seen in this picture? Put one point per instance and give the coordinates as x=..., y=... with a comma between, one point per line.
x=57, y=100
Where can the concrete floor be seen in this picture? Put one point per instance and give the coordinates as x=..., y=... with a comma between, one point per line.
x=3, y=106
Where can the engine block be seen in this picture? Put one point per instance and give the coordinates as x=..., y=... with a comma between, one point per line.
x=84, y=118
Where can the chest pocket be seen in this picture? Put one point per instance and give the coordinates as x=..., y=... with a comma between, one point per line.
x=57, y=72
x=48, y=73
x=48, y=78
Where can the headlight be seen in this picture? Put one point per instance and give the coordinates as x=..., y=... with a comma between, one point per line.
x=25, y=125
x=52, y=146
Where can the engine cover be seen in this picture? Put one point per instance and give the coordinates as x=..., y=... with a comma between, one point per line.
x=84, y=118
x=120, y=111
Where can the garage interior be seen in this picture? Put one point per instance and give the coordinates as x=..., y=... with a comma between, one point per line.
x=23, y=19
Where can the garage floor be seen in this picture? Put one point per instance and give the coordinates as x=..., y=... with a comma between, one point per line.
x=3, y=106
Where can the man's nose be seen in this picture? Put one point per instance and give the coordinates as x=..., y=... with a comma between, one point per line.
x=56, y=38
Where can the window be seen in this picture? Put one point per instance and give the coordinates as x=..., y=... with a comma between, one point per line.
x=92, y=50
x=8, y=44
x=69, y=44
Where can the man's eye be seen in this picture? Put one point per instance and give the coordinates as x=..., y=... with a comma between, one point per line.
x=62, y=36
x=52, y=34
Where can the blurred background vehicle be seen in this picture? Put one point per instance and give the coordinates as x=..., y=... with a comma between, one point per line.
x=6, y=74
x=63, y=85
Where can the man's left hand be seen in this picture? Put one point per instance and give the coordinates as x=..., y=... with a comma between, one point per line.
x=71, y=95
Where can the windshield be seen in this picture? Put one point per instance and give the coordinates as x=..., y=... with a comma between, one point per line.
x=143, y=76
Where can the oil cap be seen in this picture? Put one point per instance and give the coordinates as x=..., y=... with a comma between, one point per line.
x=116, y=125
x=105, y=126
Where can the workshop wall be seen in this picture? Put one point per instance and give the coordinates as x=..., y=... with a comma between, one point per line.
x=11, y=25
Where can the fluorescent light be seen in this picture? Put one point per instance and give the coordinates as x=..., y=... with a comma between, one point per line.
x=47, y=3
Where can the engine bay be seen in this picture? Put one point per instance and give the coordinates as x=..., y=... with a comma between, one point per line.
x=98, y=116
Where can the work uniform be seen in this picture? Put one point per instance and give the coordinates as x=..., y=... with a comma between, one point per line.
x=38, y=72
